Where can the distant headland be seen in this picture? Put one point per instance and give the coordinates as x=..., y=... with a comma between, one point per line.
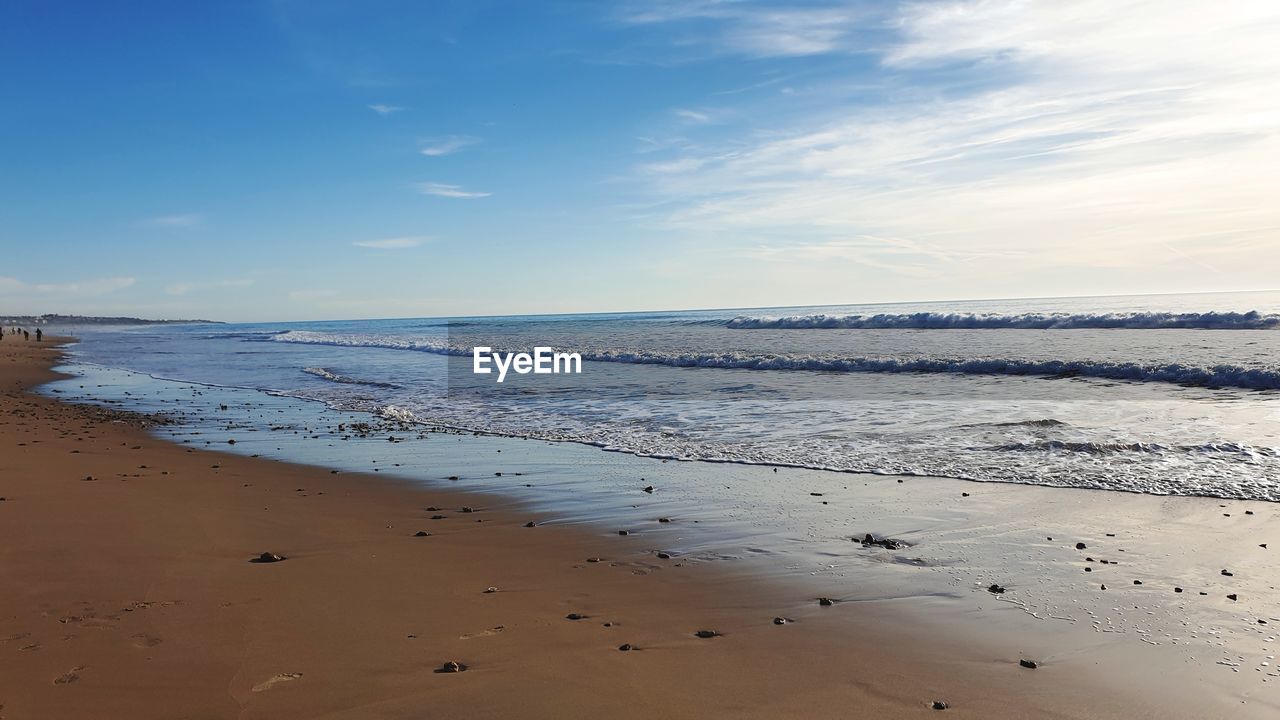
x=89, y=320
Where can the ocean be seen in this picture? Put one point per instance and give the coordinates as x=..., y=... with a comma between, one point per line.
x=1173, y=394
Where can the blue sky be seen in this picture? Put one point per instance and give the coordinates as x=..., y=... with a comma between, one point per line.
x=317, y=159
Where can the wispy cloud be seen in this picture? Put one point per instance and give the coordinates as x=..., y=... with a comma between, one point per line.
x=693, y=116
x=1097, y=137
x=187, y=287
x=759, y=29
x=183, y=220
x=436, y=147
x=400, y=243
x=12, y=287
x=449, y=191
x=385, y=110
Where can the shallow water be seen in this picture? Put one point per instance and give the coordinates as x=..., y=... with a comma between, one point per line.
x=1174, y=395
x=798, y=527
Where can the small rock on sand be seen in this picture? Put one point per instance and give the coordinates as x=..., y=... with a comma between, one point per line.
x=625, y=647
x=451, y=667
x=421, y=533
x=268, y=557
x=826, y=602
x=940, y=705
x=706, y=634
x=1029, y=664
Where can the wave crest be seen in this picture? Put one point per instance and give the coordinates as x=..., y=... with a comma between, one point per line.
x=1218, y=376
x=332, y=376
x=1252, y=320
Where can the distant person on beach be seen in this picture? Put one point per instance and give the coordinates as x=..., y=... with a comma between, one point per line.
x=26, y=335
x=39, y=334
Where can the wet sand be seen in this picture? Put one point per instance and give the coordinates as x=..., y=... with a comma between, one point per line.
x=128, y=593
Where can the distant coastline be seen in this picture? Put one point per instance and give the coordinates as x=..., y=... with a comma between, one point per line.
x=90, y=320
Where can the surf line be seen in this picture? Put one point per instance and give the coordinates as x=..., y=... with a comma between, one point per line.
x=542, y=361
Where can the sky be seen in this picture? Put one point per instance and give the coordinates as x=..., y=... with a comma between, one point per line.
x=258, y=160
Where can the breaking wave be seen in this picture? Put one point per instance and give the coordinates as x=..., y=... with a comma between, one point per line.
x=344, y=379
x=1217, y=376
x=1252, y=320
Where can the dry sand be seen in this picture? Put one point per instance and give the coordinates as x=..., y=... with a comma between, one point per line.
x=126, y=591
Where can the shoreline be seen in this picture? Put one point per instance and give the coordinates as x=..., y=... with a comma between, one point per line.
x=135, y=597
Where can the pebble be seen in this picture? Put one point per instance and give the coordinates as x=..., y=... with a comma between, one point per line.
x=940, y=705
x=995, y=589
x=826, y=602
x=267, y=557
x=575, y=616
x=421, y=533
x=706, y=634
x=625, y=647
x=1029, y=664
x=452, y=667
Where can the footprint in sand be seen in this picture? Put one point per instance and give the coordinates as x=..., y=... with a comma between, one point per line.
x=29, y=648
x=282, y=677
x=69, y=676
x=142, y=640
x=483, y=633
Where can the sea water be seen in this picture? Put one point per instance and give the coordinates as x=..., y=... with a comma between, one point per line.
x=1173, y=394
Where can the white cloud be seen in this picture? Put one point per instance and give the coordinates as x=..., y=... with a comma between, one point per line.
x=399, y=243
x=693, y=116
x=12, y=287
x=449, y=191
x=760, y=30
x=184, y=220
x=1084, y=134
x=385, y=110
x=186, y=287
x=446, y=145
